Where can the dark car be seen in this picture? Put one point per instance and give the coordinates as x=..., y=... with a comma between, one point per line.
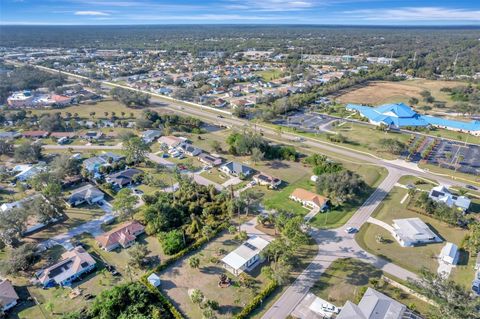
x=471, y=187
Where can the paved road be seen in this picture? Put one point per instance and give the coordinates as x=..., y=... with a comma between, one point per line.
x=334, y=244
x=201, y=112
x=94, y=227
x=364, y=212
x=82, y=147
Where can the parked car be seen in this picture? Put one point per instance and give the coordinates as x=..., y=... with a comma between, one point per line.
x=330, y=308
x=471, y=187
x=351, y=230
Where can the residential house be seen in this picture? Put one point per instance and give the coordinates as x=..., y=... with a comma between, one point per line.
x=92, y=135
x=151, y=135
x=209, y=159
x=309, y=199
x=71, y=267
x=236, y=169
x=21, y=99
x=9, y=135
x=375, y=305
x=123, y=236
x=35, y=134
x=59, y=135
x=8, y=296
x=85, y=194
x=26, y=171
x=190, y=150
x=245, y=257
x=93, y=164
x=264, y=179
x=242, y=103
x=171, y=141
x=449, y=254
x=441, y=194
x=32, y=223
x=123, y=178
x=413, y=231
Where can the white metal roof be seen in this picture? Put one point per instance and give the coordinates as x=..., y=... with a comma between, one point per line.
x=239, y=257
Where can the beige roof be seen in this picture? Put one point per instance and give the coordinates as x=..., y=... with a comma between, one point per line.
x=171, y=140
x=72, y=262
x=7, y=293
x=122, y=234
x=305, y=195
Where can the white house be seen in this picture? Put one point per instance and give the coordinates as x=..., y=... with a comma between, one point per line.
x=151, y=135
x=236, y=169
x=413, y=231
x=246, y=256
x=449, y=254
x=442, y=194
x=375, y=305
x=26, y=172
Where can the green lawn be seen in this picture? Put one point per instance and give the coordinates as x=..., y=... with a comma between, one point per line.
x=411, y=258
x=367, y=137
x=74, y=217
x=336, y=217
x=279, y=199
x=419, y=183
x=344, y=279
x=215, y=175
x=269, y=75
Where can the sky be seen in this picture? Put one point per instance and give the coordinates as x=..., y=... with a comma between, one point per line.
x=341, y=12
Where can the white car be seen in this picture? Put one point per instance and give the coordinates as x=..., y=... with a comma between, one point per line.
x=330, y=308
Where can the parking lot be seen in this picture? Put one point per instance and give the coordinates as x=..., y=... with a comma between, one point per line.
x=308, y=122
x=457, y=155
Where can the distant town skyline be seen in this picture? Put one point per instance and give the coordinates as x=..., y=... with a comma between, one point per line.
x=341, y=12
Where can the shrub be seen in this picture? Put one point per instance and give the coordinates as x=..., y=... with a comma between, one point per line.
x=257, y=300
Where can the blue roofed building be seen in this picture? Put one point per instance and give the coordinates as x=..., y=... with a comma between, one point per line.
x=400, y=115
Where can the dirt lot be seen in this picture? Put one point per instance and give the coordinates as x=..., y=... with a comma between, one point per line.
x=376, y=93
x=178, y=279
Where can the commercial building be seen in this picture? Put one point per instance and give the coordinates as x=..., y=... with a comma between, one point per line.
x=400, y=115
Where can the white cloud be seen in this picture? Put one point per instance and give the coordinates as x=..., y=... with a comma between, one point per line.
x=271, y=5
x=416, y=14
x=91, y=13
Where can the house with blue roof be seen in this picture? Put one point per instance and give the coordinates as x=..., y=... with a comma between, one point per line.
x=400, y=115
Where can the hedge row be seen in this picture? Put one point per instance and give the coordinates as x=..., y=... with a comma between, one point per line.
x=162, y=299
x=257, y=300
x=189, y=249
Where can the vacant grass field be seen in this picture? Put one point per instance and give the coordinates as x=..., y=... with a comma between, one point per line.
x=411, y=258
x=344, y=278
x=84, y=110
x=180, y=277
x=367, y=138
x=270, y=75
x=75, y=216
x=376, y=93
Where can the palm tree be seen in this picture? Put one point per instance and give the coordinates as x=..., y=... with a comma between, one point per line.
x=195, y=226
x=194, y=262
